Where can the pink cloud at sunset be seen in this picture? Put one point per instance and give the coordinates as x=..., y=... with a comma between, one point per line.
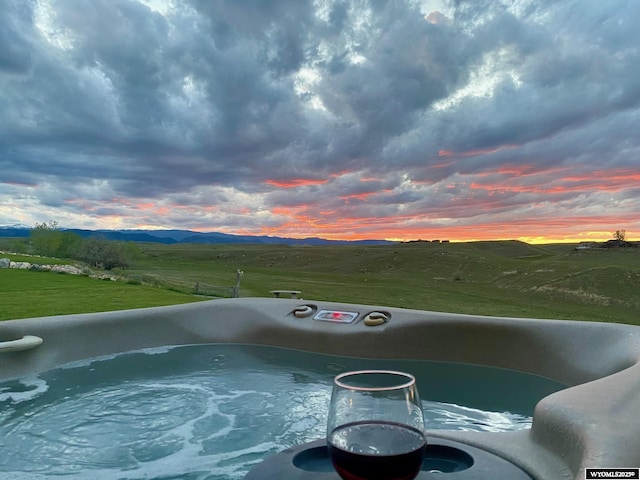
x=295, y=182
x=344, y=120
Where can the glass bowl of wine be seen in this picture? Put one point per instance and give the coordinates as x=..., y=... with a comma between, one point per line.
x=375, y=427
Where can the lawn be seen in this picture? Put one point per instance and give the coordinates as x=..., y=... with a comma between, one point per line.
x=33, y=294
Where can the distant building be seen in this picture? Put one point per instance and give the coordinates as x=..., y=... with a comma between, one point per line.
x=614, y=243
x=617, y=244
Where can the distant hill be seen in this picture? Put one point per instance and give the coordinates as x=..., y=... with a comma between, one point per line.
x=188, y=236
x=14, y=232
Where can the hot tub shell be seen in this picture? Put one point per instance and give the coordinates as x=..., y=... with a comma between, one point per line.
x=594, y=423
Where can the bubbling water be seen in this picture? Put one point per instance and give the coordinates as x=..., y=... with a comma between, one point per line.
x=198, y=412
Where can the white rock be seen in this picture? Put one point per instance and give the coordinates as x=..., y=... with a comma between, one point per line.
x=20, y=265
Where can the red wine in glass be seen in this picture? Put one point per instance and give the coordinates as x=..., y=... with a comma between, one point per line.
x=375, y=429
x=372, y=450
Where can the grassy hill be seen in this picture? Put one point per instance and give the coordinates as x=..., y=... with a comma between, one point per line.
x=504, y=278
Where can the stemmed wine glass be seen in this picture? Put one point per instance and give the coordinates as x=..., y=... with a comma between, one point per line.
x=375, y=429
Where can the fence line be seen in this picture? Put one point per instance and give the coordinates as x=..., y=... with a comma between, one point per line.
x=214, y=290
x=199, y=288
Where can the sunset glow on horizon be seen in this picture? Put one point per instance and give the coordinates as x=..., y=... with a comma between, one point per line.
x=417, y=120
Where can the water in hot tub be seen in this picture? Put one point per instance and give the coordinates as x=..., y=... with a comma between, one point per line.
x=214, y=411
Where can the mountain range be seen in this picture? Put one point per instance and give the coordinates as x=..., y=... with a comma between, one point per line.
x=188, y=236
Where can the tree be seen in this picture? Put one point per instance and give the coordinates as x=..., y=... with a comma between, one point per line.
x=45, y=238
x=102, y=253
x=48, y=240
x=18, y=245
x=620, y=235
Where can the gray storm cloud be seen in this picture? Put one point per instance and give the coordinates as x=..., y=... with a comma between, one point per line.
x=386, y=109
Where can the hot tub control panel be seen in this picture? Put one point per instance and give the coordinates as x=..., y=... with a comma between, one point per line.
x=336, y=316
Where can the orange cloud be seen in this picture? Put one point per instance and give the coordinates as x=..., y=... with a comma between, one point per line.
x=303, y=182
x=522, y=170
x=296, y=182
x=600, y=180
x=618, y=176
x=363, y=195
x=475, y=153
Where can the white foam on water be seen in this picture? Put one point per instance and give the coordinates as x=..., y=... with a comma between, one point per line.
x=158, y=350
x=23, y=390
x=85, y=362
x=458, y=417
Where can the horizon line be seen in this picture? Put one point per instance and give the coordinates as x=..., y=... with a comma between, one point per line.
x=538, y=240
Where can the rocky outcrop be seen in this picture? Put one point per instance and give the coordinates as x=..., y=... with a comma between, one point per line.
x=69, y=269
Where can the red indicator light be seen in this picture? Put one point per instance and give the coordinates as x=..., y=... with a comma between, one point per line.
x=336, y=316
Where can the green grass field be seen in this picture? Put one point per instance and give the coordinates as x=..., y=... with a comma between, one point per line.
x=504, y=278
x=35, y=294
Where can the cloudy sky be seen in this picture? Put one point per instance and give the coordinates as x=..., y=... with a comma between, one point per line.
x=478, y=119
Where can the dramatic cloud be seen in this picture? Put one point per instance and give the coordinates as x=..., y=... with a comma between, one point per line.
x=341, y=119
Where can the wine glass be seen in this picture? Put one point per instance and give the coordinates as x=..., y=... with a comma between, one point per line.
x=375, y=429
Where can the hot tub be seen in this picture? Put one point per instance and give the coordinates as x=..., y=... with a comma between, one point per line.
x=593, y=423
